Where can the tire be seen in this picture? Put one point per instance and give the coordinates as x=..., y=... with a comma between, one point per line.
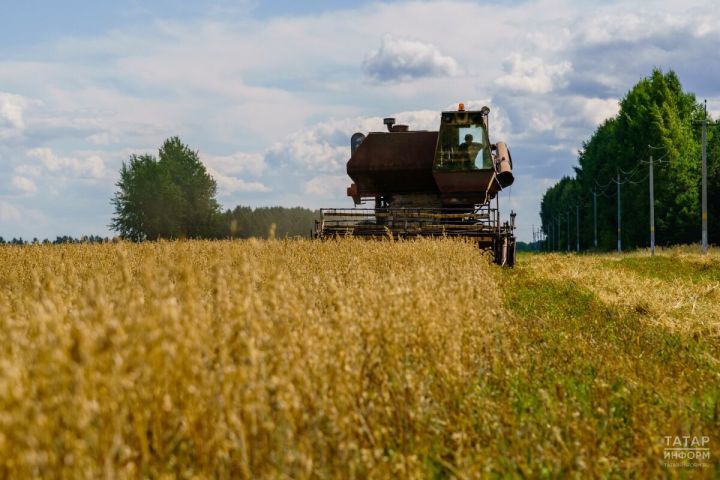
x=501, y=251
x=511, y=252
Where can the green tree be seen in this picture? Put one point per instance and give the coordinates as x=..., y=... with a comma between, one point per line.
x=657, y=112
x=173, y=197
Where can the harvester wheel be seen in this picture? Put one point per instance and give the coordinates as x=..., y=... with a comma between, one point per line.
x=511, y=251
x=500, y=251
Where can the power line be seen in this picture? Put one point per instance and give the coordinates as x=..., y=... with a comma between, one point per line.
x=631, y=172
x=603, y=194
x=602, y=187
x=659, y=160
x=639, y=181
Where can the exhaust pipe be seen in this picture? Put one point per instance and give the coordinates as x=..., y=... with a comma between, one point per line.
x=389, y=122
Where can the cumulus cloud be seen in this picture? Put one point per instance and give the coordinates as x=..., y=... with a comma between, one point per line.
x=327, y=186
x=11, y=114
x=24, y=184
x=28, y=170
x=102, y=138
x=8, y=212
x=420, y=119
x=323, y=147
x=236, y=163
x=400, y=59
x=612, y=27
x=309, y=151
x=533, y=75
x=543, y=121
x=596, y=110
x=91, y=166
x=229, y=184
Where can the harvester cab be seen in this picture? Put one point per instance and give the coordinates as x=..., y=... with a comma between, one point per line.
x=426, y=183
x=467, y=168
x=463, y=142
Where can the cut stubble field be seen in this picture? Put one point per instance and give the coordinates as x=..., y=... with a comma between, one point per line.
x=353, y=359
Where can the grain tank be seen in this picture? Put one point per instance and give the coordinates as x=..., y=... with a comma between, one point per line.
x=428, y=183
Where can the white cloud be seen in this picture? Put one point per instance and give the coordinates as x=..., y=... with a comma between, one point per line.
x=612, y=25
x=28, y=170
x=327, y=186
x=228, y=184
x=533, y=74
x=11, y=114
x=236, y=163
x=404, y=59
x=102, y=138
x=24, y=184
x=543, y=121
x=8, y=212
x=308, y=150
x=420, y=119
x=596, y=110
x=91, y=166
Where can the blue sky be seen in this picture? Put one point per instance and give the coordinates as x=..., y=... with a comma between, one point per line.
x=270, y=92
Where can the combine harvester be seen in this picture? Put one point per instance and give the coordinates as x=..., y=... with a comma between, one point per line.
x=428, y=184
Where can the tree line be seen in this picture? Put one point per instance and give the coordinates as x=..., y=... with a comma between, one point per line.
x=655, y=118
x=58, y=240
x=173, y=196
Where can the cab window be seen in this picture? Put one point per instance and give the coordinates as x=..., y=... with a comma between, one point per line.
x=462, y=147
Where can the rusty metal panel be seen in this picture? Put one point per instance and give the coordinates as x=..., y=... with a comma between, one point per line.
x=466, y=187
x=398, y=162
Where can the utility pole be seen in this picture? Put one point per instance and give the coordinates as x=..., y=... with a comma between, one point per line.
x=652, y=210
x=595, y=218
x=568, y=230
x=577, y=227
x=559, y=238
x=704, y=183
x=551, y=237
x=619, y=218
x=704, y=123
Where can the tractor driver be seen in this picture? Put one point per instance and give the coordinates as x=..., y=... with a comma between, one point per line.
x=471, y=150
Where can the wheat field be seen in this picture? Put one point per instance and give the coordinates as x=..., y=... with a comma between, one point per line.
x=352, y=359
